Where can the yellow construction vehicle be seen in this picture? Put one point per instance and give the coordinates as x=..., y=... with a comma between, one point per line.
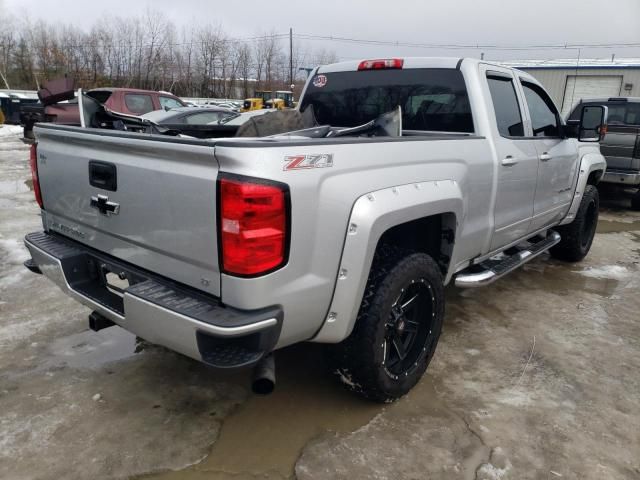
x=251, y=104
x=287, y=98
x=266, y=99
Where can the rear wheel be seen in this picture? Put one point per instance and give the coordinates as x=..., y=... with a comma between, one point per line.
x=577, y=236
x=397, y=328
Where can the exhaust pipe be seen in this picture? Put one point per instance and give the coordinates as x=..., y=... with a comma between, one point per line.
x=264, y=376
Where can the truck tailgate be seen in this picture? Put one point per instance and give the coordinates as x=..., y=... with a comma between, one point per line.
x=164, y=191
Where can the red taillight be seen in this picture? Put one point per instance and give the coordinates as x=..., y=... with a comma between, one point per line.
x=33, y=163
x=381, y=64
x=253, y=223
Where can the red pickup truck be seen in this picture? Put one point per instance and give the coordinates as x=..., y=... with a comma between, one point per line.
x=123, y=100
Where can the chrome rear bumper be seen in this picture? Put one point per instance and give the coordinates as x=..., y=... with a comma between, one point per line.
x=156, y=309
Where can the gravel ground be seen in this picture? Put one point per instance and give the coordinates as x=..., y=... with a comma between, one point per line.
x=535, y=378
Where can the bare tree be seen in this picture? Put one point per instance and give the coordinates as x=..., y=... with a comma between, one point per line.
x=148, y=52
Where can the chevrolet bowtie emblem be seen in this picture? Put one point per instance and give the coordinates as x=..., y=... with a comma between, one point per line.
x=104, y=206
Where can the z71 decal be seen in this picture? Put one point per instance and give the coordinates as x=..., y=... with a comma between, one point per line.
x=303, y=162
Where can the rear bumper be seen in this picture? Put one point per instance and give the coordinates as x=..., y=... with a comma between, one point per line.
x=156, y=309
x=620, y=177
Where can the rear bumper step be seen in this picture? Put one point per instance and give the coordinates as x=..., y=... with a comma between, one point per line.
x=154, y=308
x=491, y=270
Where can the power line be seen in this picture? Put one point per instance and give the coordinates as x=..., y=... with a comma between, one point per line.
x=474, y=46
x=146, y=43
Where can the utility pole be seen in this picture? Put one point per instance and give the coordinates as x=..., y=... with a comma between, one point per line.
x=291, y=56
x=4, y=79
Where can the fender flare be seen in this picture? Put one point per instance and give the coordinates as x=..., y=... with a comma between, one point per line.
x=590, y=162
x=372, y=215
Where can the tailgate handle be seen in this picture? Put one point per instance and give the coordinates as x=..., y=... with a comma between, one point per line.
x=103, y=175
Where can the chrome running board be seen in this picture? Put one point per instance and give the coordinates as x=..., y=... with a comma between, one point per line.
x=491, y=270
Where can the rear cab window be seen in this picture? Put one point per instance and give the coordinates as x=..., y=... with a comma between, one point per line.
x=432, y=99
x=139, y=103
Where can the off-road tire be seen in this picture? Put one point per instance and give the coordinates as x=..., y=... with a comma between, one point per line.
x=635, y=201
x=358, y=361
x=577, y=236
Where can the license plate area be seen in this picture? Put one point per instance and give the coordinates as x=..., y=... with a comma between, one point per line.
x=116, y=283
x=101, y=281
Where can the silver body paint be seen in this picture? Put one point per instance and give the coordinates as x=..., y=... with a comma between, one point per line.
x=167, y=204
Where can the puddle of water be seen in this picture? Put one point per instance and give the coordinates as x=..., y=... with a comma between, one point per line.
x=268, y=433
x=93, y=350
x=612, y=226
x=561, y=279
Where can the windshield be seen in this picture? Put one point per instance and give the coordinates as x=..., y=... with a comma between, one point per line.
x=100, y=95
x=160, y=115
x=432, y=99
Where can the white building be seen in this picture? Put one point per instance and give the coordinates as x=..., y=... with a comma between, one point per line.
x=569, y=80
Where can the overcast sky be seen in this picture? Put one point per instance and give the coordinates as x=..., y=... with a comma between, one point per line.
x=486, y=22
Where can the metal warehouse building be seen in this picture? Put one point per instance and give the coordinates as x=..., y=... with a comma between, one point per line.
x=569, y=80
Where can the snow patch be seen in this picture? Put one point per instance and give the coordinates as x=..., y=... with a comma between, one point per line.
x=515, y=398
x=488, y=471
x=10, y=130
x=14, y=251
x=497, y=467
x=12, y=279
x=16, y=332
x=615, y=272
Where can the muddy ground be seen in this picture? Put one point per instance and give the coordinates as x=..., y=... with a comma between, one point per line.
x=535, y=377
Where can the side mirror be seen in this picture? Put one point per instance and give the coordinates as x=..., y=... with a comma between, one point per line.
x=593, y=123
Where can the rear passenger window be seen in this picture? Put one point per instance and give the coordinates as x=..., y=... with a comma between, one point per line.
x=616, y=114
x=505, y=104
x=168, y=102
x=632, y=116
x=544, y=116
x=138, y=103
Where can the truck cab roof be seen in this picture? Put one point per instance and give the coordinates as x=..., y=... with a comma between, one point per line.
x=421, y=62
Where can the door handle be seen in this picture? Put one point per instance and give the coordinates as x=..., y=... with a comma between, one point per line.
x=509, y=161
x=545, y=157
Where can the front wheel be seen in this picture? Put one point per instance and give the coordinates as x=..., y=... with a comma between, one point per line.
x=397, y=328
x=577, y=236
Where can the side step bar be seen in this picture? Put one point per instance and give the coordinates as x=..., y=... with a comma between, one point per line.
x=490, y=271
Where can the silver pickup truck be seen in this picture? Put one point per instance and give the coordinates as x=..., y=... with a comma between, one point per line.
x=346, y=234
